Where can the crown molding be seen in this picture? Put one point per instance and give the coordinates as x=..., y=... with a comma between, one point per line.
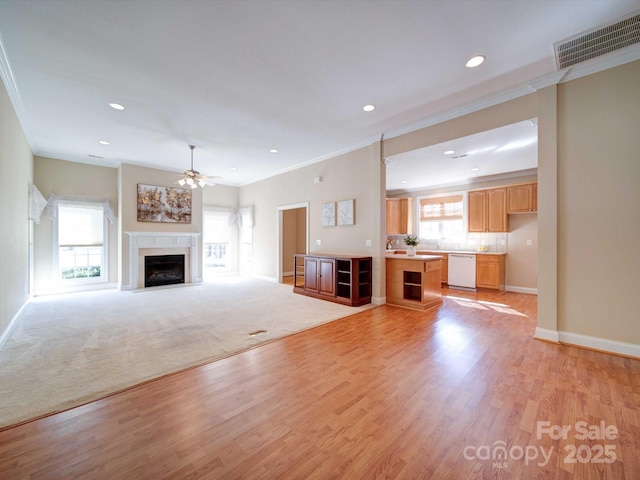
x=14, y=97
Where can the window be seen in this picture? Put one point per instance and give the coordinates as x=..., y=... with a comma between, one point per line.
x=216, y=241
x=442, y=218
x=81, y=234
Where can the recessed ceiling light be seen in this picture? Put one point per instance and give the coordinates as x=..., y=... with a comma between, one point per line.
x=449, y=152
x=369, y=108
x=474, y=61
x=233, y=169
x=404, y=181
x=274, y=150
x=103, y=142
x=116, y=106
x=475, y=169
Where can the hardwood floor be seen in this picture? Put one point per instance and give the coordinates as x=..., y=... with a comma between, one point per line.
x=386, y=393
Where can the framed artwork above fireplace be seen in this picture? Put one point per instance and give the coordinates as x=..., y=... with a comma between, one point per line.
x=164, y=204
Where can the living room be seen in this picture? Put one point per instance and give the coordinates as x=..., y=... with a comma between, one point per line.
x=588, y=201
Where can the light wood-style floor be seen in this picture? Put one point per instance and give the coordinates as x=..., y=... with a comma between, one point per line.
x=386, y=393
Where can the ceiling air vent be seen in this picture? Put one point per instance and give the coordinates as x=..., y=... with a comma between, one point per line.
x=598, y=41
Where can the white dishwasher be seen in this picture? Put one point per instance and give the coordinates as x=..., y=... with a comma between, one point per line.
x=462, y=271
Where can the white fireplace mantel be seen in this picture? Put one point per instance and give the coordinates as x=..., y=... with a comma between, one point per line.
x=164, y=240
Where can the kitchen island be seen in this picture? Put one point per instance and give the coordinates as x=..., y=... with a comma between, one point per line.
x=414, y=281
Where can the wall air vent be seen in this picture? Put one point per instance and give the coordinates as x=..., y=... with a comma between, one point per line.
x=460, y=156
x=598, y=41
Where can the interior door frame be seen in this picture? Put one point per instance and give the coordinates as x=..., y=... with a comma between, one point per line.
x=279, y=254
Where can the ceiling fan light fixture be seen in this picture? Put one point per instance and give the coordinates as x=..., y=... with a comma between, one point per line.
x=192, y=178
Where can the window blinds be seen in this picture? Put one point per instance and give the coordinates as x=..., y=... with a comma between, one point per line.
x=80, y=226
x=441, y=208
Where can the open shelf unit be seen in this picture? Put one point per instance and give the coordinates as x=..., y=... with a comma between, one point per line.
x=340, y=279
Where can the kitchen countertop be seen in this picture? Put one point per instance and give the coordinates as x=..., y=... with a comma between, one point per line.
x=404, y=256
x=439, y=252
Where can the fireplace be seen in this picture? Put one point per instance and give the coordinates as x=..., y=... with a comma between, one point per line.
x=163, y=270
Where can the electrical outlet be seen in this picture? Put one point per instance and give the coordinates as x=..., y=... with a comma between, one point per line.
x=367, y=243
x=529, y=243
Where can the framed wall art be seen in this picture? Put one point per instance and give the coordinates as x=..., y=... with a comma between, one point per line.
x=346, y=212
x=164, y=204
x=328, y=214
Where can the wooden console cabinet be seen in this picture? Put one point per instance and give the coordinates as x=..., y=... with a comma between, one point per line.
x=337, y=278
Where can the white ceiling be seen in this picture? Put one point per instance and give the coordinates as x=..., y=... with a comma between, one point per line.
x=509, y=149
x=238, y=78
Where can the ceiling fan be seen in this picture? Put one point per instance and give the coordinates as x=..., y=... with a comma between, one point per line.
x=192, y=178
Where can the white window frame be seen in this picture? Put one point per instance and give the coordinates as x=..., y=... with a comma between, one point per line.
x=229, y=253
x=104, y=274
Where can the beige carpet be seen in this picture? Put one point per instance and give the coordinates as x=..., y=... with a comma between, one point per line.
x=67, y=350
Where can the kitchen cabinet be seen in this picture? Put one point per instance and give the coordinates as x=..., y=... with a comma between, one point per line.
x=337, y=278
x=444, y=266
x=487, y=210
x=414, y=282
x=522, y=198
x=490, y=272
x=399, y=216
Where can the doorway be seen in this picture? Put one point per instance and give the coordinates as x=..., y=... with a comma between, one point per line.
x=293, y=233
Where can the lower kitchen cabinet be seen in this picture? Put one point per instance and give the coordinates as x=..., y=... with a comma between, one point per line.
x=414, y=282
x=336, y=278
x=444, y=268
x=490, y=271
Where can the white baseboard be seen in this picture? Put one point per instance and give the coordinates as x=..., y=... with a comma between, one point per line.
x=546, y=334
x=513, y=288
x=7, y=331
x=601, y=344
x=378, y=300
x=594, y=343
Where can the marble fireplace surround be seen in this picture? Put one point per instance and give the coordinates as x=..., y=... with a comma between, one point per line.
x=161, y=243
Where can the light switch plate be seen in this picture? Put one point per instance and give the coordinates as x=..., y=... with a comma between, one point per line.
x=318, y=242
x=367, y=243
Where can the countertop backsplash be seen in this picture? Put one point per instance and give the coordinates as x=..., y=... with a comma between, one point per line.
x=494, y=242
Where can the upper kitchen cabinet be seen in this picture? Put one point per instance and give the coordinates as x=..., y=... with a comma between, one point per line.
x=487, y=210
x=399, y=216
x=522, y=198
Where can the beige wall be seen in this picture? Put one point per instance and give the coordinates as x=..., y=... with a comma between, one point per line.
x=129, y=176
x=347, y=176
x=521, y=266
x=16, y=173
x=599, y=204
x=62, y=177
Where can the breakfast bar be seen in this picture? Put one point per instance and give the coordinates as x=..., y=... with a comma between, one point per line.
x=414, y=281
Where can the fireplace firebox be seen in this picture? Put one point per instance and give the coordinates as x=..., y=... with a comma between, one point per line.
x=163, y=270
